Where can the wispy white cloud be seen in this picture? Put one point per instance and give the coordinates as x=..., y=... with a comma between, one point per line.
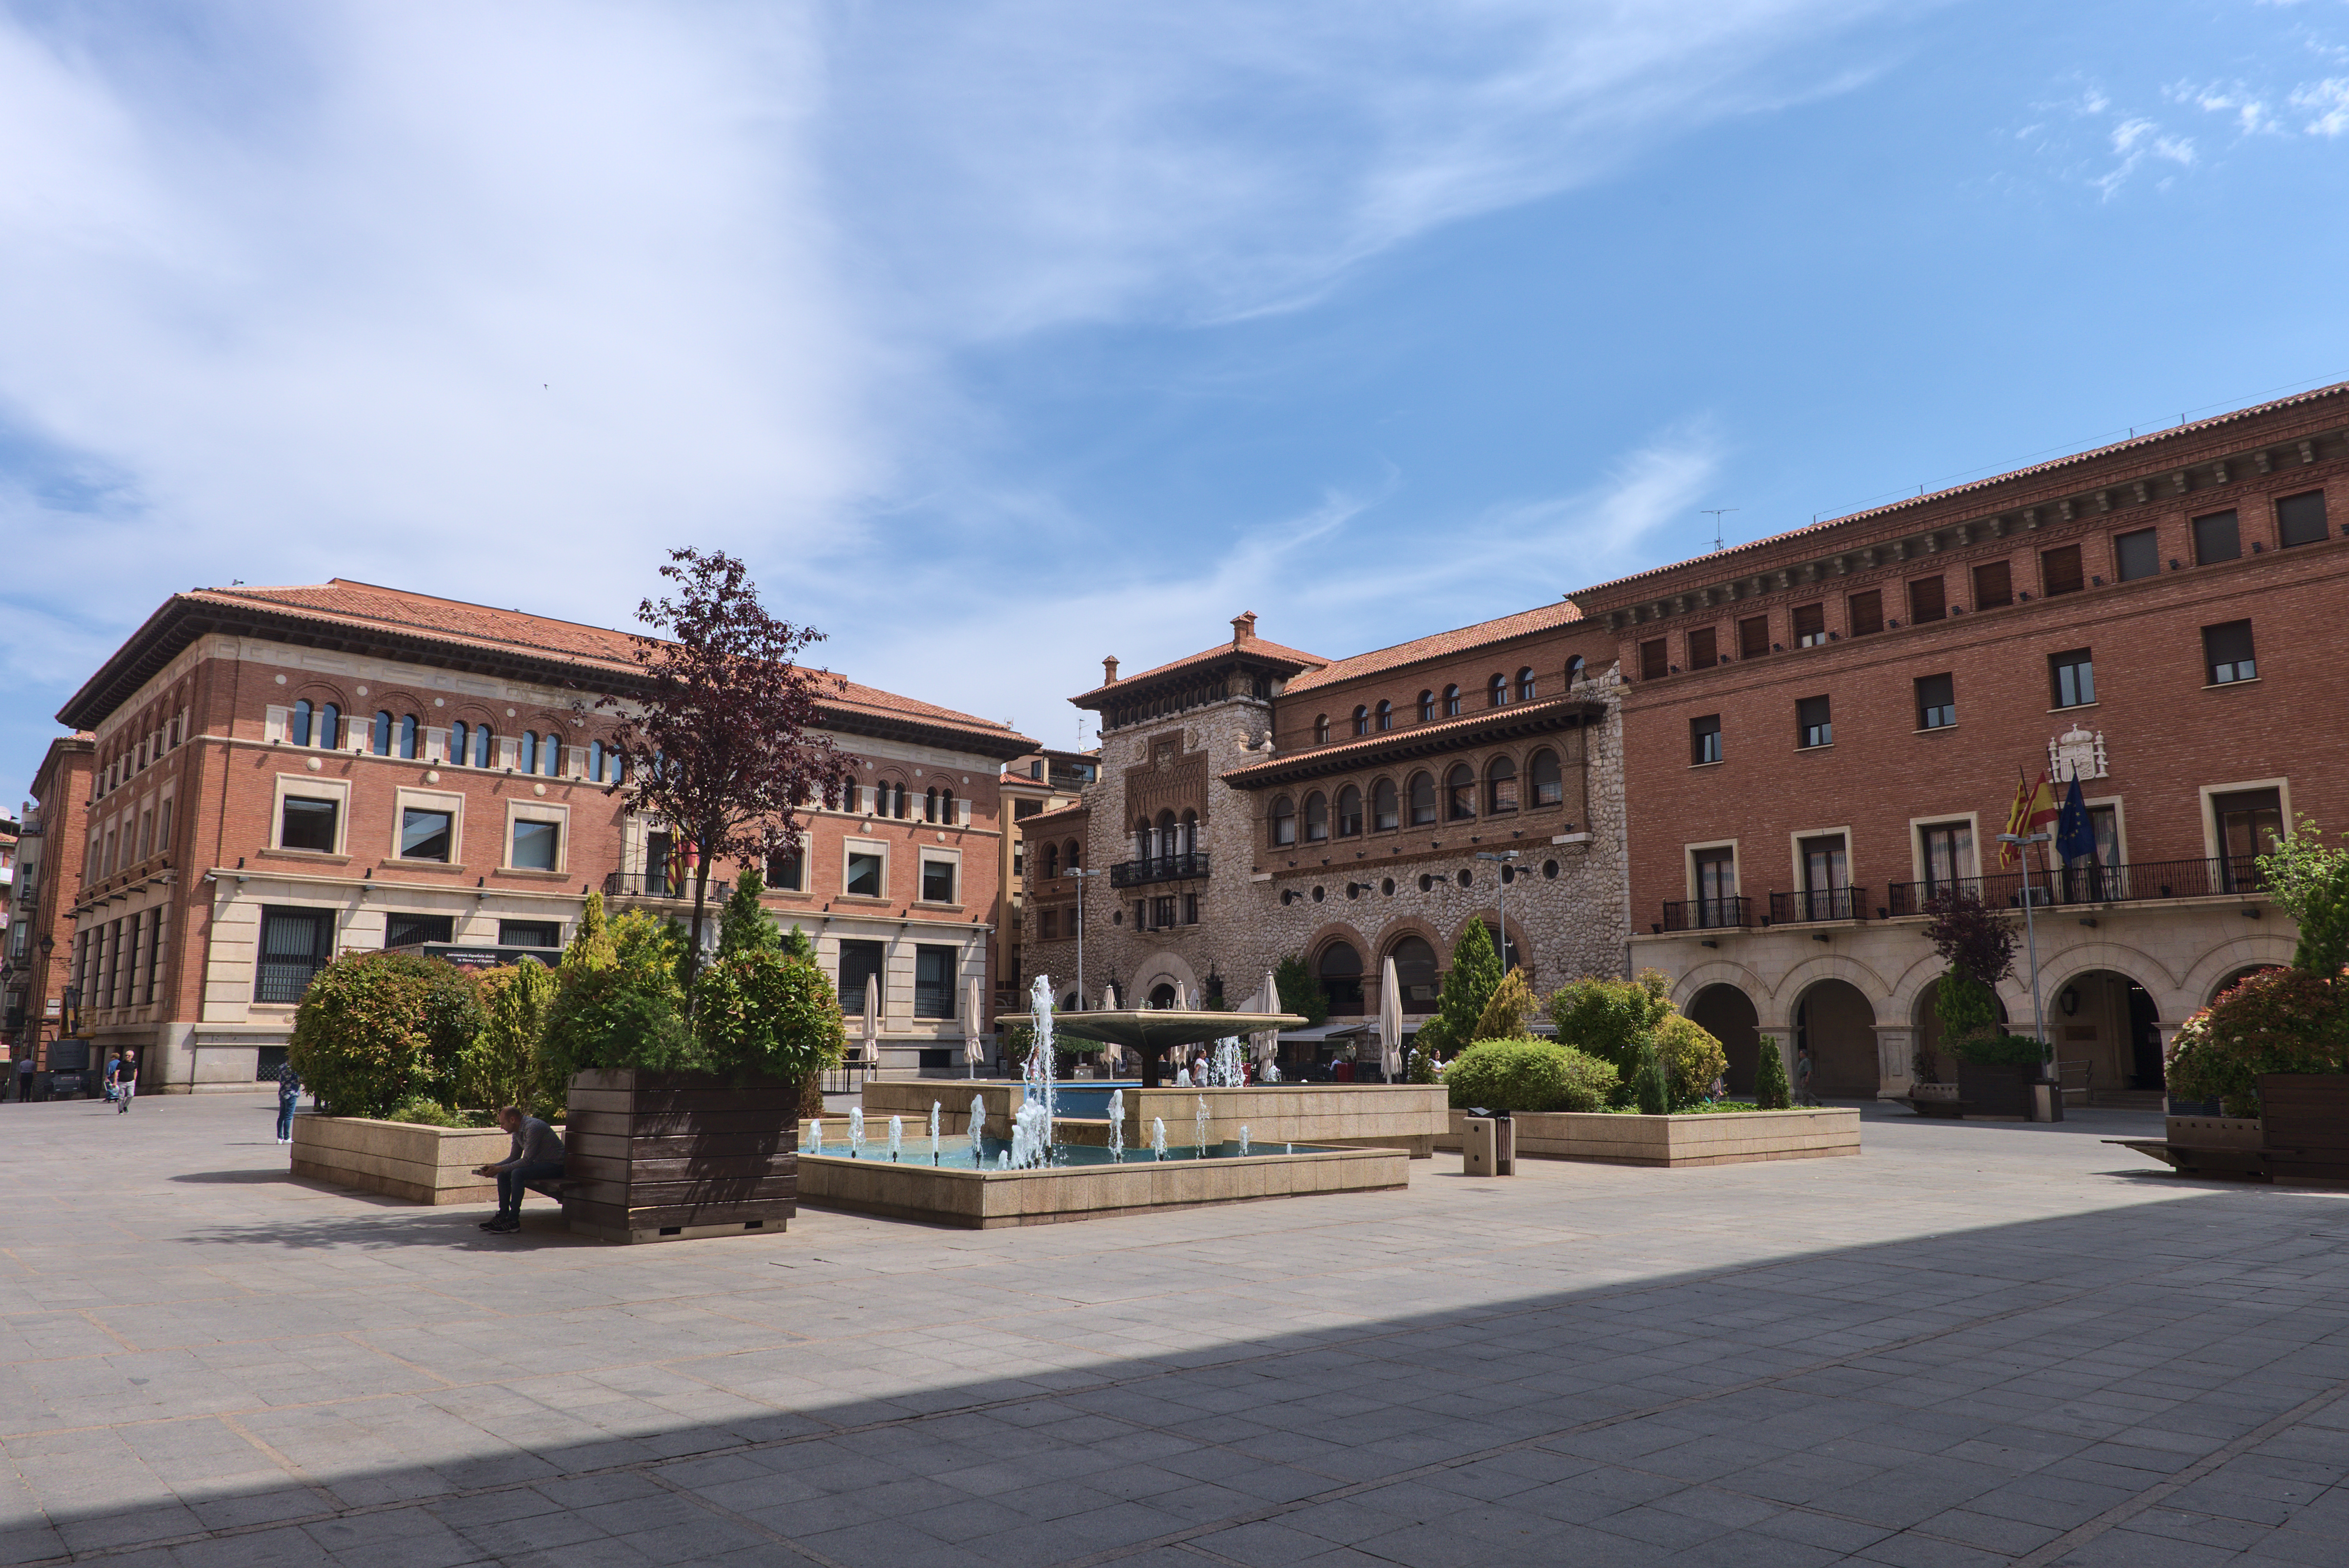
x=2326, y=103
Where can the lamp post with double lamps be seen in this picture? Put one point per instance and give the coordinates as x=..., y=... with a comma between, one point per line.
x=2023, y=843
x=1081, y=873
x=1502, y=882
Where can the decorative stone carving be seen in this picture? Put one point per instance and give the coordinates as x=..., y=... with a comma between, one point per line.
x=2077, y=753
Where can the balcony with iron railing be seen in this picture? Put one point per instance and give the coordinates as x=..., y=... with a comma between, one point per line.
x=1159, y=869
x=2227, y=876
x=1814, y=904
x=1708, y=914
x=672, y=884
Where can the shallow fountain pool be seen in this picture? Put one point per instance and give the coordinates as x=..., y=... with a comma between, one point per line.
x=954, y=1153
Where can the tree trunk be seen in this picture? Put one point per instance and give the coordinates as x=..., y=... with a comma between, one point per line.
x=700, y=906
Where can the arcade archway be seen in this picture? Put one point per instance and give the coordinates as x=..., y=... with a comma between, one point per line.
x=1836, y=1024
x=1727, y=1014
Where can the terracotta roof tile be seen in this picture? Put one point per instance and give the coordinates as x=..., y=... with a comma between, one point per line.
x=1275, y=653
x=1441, y=645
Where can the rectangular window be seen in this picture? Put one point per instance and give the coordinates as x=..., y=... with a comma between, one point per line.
x=295, y=943
x=1717, y=887
x=2216, y=539
x=1652, y=659
x=1949, y=854
x=1937, y=702
x=1754, y=637
x=537, y=846
x=864, y=873
x=530, y=934
x=656, y=864
x=2227, y=653
x=1926, y=602
x=2059, y=571
x=1813, y=724
x=305, y=824
x=163, y=827
x=154, y=953
x=860, y=965
x=146, y=834
x=2250, y=822
x=1705, y=649
x=937, y=881
x=1810, y=625
x=1190, y=909
x=1704, y=740
x=933, y=976
x=406, y=929
x=126, y=959
x=2136, y=554
x=1162, y=911
x=1994, y=585
x=1865, y=613
x=1048, y=925
x=1827, y=878
x=424, y=835
x=2072, y=678
x=787, y=872
x=2300, y=519
x=1024, y=810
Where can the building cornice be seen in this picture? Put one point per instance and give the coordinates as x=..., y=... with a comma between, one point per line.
x=1465, y=733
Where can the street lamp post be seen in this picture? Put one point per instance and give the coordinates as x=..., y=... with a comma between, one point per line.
x=1081, y=873
x=2024, y=842
x=1502, y=883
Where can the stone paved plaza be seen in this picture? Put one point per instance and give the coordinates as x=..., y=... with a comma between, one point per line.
x=1975, y=1344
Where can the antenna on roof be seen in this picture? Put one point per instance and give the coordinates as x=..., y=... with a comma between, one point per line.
x=1716, y=513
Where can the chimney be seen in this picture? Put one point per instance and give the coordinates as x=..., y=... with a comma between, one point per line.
x=1108, y=670
x=1244, y=628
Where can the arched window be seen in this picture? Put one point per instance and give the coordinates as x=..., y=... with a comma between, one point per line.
x=1452, y=702
x=1423, y=800
x=1340, y=970
x=550, y=756
x=1459, y=793
x=1386, y=714
x=1349, y=812
x=1284, y=822
x=1190, y=833
x=1510, y=957
x=1141, y=845
x=380, y=741
x=930, y=804
x=1168, y=842
x=485, y=747
x=1525, y=685
x=530, y=751
x=1361, y=719
x=1383, y=817
x=330, y=727
x=1496, y=691
x=1072, y=857
x=1501, y=784
x=1427, y=708
x=1321, y=729
x=1317, y=818
x=1051, y=860
x=1573, y=670
x=596, y=761
x=1550, y=789
x=407, y=736
x=298, y=730
x=460, y=752
x=899, y=803
x=1415, y=975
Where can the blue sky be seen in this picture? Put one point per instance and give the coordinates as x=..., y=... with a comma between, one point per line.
x=1000, y=334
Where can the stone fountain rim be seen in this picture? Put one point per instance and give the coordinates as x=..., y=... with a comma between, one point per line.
x=1177, y=1025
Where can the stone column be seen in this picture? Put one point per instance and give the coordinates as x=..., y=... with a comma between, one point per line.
x=1896, y=1058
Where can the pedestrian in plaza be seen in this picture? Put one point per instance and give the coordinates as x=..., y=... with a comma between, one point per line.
x=289, y=1094
x=24, y=1078
x=1803, y=1095
x=536, y=1156
x=113, y=1066
x=123, y=1073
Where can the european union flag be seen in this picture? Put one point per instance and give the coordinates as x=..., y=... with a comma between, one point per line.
x=2075, y=835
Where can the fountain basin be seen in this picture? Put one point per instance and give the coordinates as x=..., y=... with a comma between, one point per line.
x=1405, y=1116
x=1090, y=1186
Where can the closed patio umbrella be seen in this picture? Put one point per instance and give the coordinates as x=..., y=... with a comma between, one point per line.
x=974, y=1027
x=872, y=1047
x=1390, y=1023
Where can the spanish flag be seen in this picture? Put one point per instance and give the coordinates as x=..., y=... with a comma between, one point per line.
x=2034, y=808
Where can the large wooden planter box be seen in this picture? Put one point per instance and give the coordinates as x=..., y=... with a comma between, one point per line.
x=1714, y=1138
x=2305, y=1126
x=1997, y=1088
x=399, y=1159
x=665, y=1157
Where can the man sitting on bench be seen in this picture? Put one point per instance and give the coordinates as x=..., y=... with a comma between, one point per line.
x=536, y=1156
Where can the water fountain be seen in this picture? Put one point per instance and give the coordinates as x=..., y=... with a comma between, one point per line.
x=934, y=1133
x=1117, y=1124
x=1200, y=1139
x=815, y=1136
x=977, y=1130
x=856, y=1132
x=1244, y=1140
x=1158, y=1137
x=897, y=1136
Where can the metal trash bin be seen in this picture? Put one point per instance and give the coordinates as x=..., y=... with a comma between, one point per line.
x=1488, y=1144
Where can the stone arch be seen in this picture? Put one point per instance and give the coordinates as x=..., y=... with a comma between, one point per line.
x=1836, y=1020
x=1726, y=1010
x=1345, y=1000
x=2220, y=966
x=1787, y=994
x=1719, y=972
x=1488, y=918
x=1391, y=935
x=1164, y=967
x=1912, y=989
x=2058, y=968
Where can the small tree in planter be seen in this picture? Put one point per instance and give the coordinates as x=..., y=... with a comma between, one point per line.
x=1978, y=945
x=1474, y=975
x=1614, y=1020
x=504, y=1064
x=375, y=1030
x=764, y=1011
x=1771, y=1091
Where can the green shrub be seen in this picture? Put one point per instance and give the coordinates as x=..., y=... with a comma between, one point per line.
x=762, y=1016
x=504, y=1064
x=1468, y=985
x=2200, y=1068
x=626, y=1010
x=1650, y=1088
x=423, y=1110
x=1613, y=1020
x=1299, y=991
x=1964, y=1005
x=1992, y=1047
x=744, y=925
x=1528, y=1075
x=1503, y=1017
x=2311, y=883
x=377, y=1029
x=1691, y=1057
x=1770, y=1088
x=2276, y=1021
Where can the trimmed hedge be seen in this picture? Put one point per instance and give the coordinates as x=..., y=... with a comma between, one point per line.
x=1528, y=1075
x=376, y=1029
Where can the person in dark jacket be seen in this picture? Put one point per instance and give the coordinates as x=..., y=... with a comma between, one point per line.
x=536, y=1156
x=289, y=1094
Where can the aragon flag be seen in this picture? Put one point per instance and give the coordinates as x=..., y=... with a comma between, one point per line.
x=2034, y=808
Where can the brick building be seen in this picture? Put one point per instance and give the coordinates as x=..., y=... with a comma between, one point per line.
x=279, y=775
x=34, y=963
x=1044, y=781
x=1822, y=728
x=1257, y=801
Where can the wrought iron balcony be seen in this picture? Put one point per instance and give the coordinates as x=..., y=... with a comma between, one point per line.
x=1708, y=914
x=1818, y=903
x=1158, y=869
x=2228, y=876
x=677, y=884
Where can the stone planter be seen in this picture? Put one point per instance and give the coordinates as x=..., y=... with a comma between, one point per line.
x=1996, y=1088
x=399, y=1159
x=1718, y=1138
x=1938, y=1099
x=2305, y=1126
x=665, y=1157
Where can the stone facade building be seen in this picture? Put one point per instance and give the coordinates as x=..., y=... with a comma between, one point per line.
x=281, y=775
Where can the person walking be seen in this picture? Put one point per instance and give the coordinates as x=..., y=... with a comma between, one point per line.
x=289, y=1094
x=536, y=1156
x=123, y=1072
x=24, y=1077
